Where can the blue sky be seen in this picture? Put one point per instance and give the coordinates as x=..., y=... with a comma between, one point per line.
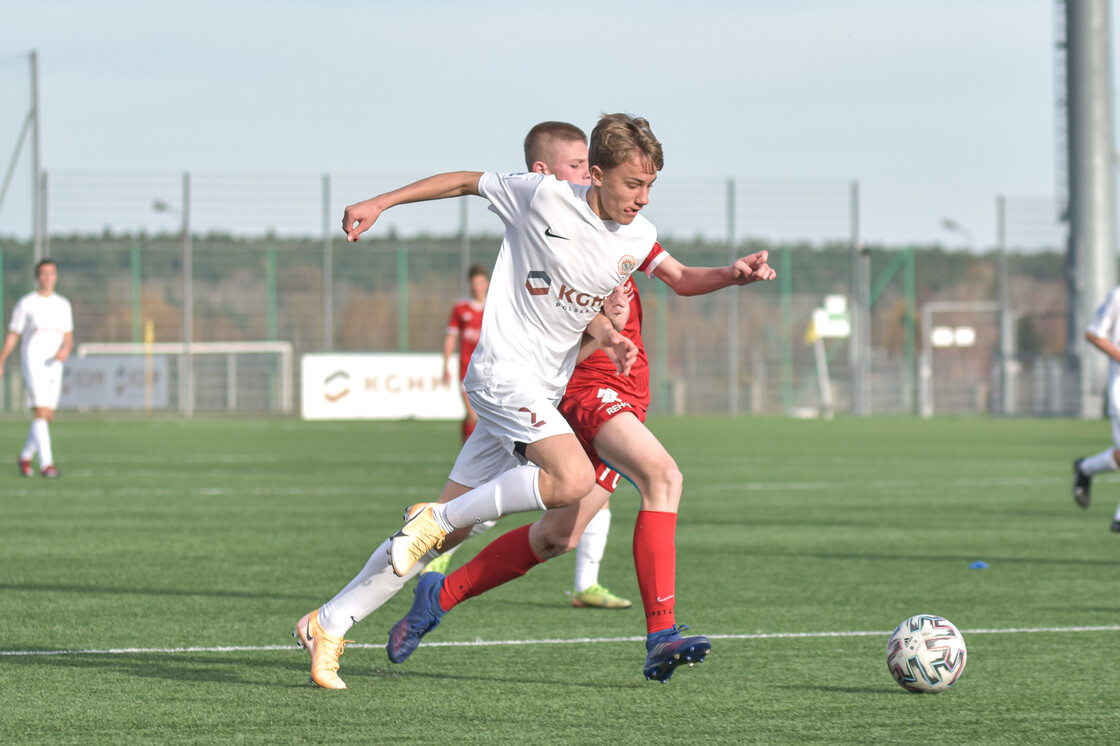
x=934, y=106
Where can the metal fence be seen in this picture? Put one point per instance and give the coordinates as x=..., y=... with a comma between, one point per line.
x=213, y=257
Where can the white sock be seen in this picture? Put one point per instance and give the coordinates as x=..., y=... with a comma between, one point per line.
x=1116, y=515
x=1102, y=462
x=43, y=438
x=478, y=528
x=589, y=552
x=31, y=446
x=366, y=593
x=515, y=491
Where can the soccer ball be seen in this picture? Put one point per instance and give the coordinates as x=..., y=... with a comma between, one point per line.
x=926, y=653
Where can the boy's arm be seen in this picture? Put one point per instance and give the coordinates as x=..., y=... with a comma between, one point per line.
x=616, y=309
x=10, y=343
x=67, y=345
x=448, y=350
x=686, y=280
x=359, y=217
x=1104, y=346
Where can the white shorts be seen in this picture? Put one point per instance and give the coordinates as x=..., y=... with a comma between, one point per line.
x=508, y=421
x=44, y=384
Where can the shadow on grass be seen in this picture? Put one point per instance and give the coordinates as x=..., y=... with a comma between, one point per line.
x=845, y=689
x=272, y=671
x=993, y=562
x=95, y=590
x=224, y=669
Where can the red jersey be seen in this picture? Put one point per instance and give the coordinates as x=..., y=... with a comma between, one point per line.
x=598, y=370
x=466, y=321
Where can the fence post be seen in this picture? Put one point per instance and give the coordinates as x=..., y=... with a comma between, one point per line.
x=402, y=297
x=328, y=268
x=732, y=311
x=187, y=374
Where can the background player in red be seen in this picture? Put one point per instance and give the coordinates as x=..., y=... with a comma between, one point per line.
x=464, y=327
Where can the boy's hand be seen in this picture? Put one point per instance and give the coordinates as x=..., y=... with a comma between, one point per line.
x=358, y=218
x=621, y=351
x=752, y=268
x=617, y=307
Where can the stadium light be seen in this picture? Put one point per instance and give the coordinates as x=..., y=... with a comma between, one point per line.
x=954, y=227
x=186, y=386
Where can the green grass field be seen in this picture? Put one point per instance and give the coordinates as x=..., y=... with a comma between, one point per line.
x=165, y=570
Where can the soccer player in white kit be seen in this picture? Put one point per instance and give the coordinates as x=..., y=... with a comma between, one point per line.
x=43, y=325
x=1103, y=333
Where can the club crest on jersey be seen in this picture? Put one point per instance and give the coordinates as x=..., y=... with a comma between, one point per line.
x=537, y=282
x=627, y=264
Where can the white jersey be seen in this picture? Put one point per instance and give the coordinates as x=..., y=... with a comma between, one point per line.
x=557, y=263
x=42, y=323
x=1106, y=324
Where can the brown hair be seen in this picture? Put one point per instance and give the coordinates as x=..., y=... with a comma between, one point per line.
x=478, y=269
x=541, y=138
x=619, y=137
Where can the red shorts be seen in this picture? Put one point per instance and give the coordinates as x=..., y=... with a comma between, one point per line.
x=586, y=408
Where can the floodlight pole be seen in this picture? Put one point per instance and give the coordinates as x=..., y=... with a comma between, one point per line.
x=186, y=377
x=1007, y=363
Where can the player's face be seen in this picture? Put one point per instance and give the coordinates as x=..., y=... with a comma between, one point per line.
x=479, y=285
x=624, y=189
x=47, y=277
x=569, y=162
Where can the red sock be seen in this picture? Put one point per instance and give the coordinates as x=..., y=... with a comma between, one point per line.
x=655, y=561
x=506, y=558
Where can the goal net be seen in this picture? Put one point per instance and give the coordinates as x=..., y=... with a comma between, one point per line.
x=250, y=377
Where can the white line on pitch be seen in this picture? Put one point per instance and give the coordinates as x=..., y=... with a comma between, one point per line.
x=546, y=641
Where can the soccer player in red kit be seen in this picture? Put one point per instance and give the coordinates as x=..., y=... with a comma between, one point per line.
x=465, y=326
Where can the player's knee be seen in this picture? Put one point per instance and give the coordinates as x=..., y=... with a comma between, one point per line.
x=570, y=483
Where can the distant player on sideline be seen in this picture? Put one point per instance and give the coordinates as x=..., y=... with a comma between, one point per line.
x=560, y=149
x=1103, y=333
x=463, y=327
x=43, y=324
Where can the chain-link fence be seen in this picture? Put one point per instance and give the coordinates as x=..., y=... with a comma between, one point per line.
x=267, y=262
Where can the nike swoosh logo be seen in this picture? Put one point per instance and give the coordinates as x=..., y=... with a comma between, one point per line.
x=661, y=600
x=548, y=232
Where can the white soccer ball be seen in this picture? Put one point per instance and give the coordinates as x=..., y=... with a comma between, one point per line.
x=926, y=653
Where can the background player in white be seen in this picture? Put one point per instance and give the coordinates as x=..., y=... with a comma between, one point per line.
x=1103, y=333
x=560, y=149
x=43, y=325
x=567, y=248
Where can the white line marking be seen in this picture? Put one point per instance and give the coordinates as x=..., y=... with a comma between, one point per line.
x=545, y=641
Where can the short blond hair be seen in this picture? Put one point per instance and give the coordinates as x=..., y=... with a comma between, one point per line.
x=619, y=137
x=541, y=140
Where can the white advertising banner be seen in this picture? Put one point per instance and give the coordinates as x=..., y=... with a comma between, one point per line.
x=114, y=382
x=378, y=386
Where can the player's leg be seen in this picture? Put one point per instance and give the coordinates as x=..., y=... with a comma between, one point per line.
x=30, y=448
x=559, y=473
x=506, y=558
x=627, y=445
x=588, y=592
x=322, y=630
x=1084, y=469
x=41, y=424
x=44, y=392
